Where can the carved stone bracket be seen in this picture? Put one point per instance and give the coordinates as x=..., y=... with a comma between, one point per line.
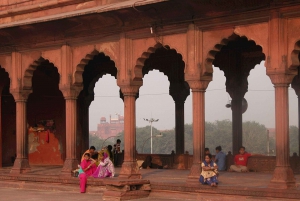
x=129, y=90
x=237, y=85
x=281, y=78
x=20, y=94
x=198, y=85
x=179, y=91
x=69, y=92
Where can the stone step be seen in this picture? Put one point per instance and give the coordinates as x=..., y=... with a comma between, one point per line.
x=49, y=186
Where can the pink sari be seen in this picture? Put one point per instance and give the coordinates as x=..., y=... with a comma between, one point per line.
x=83, y=176
x=105, y=168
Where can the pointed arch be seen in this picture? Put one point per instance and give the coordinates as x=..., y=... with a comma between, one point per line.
x=217, y=48
x=28, y=74
x=140, y=63
x=78, y=81
x=27, y=78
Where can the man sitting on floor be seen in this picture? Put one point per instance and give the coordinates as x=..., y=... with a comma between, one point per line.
x=240, y=161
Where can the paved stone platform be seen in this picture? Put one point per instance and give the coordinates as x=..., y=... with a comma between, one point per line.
x=247, y=185
x=46, y=195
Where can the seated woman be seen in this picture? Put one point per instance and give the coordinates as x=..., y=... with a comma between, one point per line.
x=209, y=171
x=93, y=153
x=148, y=164
x=88, y=167
x=105, y=168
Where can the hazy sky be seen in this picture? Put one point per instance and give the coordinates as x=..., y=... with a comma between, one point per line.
x=154, y=100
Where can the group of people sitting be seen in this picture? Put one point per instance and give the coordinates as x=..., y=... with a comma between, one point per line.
x=100, y=164
x=210, y=167
x=95, y=164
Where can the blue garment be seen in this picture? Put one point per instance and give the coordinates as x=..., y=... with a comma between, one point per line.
x=80, y=171
x=208, y=181
x=221, y=161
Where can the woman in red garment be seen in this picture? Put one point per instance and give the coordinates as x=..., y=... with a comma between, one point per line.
x=88, y=167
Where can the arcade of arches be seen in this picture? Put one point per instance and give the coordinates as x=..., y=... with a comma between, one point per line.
x=47, y=79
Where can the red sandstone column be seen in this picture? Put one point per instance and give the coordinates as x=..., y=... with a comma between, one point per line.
x=129, y=167
x=1, y=88
x=298, y=126
x=283, y=176
x=198, y=93
x=71, y=161
x=21, y=163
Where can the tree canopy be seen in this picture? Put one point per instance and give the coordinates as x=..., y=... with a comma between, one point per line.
x=216, y=133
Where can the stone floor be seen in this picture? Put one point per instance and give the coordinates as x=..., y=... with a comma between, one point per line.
x=37, y=195
x=244, y=186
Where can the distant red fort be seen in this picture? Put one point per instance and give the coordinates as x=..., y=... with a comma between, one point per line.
x=112, y=128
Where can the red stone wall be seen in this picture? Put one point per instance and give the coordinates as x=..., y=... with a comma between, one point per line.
x=44, y=148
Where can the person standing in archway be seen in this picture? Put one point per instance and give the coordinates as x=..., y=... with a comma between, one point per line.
x=117, y=150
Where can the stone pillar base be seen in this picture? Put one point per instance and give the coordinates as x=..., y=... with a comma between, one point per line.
x=117, y=189
x=21, y=165
x=183, y=162
x=130, y=170
x=69, y=166
x=283, y=178
x=194, y=175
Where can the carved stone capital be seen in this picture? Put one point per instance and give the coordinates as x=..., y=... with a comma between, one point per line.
x=282, y=78
x=198, y=85
x=69, y=92
x=129, y=90
x=20, y=95
x=238, y=92
x=179, y=91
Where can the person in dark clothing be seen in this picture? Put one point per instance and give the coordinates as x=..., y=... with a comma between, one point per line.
x=206, y=151
x=109, y=150
x=117, y=150
x=148, y=164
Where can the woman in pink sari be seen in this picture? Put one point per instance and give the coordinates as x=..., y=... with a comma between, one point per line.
x=105, y=168
x=88, y=167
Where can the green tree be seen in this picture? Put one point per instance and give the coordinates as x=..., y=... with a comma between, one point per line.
x=216, y=133
x=294, y=140
x=255, y=137
x=95, y=141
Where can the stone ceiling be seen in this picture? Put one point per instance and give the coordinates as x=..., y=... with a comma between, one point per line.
x=108, y=24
